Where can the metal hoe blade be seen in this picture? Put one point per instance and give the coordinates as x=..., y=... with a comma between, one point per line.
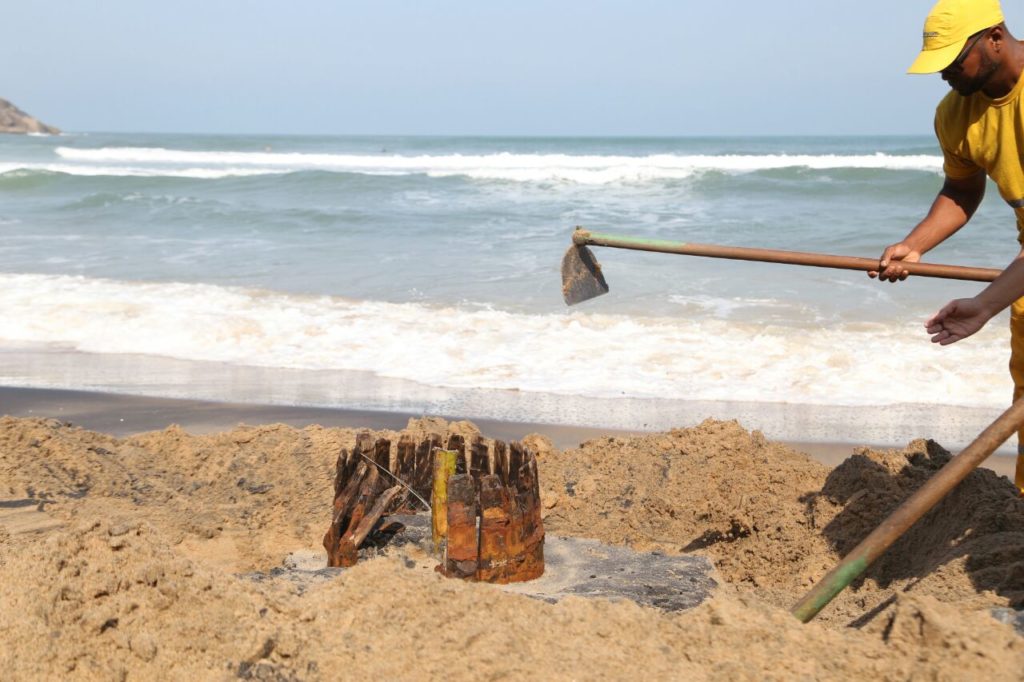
x=581, y=276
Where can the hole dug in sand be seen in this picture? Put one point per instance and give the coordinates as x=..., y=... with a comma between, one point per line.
x=486, y=525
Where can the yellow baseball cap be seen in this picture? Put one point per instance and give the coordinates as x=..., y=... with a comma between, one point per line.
x=947, y=28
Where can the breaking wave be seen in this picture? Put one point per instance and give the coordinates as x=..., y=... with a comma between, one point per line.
x=515, y=167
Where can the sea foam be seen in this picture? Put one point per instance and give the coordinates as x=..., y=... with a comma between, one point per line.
x=210, y=173
x=582, y=168
x=574, y=353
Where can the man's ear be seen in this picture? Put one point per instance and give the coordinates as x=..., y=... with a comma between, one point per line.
x=996, y=35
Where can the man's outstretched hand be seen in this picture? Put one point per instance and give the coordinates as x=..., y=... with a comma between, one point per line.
x=957, y=320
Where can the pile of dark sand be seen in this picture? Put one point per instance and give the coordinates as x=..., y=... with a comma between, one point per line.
x=144, y=574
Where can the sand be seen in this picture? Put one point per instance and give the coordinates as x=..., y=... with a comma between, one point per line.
x=151, y=556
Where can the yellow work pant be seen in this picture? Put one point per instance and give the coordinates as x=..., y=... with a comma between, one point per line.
x=1017, y=372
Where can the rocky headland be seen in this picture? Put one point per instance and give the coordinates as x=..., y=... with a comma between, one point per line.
x=14, y=120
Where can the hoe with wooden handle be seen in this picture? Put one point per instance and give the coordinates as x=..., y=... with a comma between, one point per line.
x=582, y=278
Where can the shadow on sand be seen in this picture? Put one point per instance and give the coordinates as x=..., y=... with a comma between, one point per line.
x=977, y=530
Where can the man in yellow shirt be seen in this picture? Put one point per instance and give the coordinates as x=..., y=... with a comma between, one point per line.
x=980, y=127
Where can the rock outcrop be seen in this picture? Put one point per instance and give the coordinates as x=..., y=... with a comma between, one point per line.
x=14, y=120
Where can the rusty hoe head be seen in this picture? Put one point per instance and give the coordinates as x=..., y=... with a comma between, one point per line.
x=581, y=273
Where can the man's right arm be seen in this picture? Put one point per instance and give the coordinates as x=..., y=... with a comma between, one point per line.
x=953, y=207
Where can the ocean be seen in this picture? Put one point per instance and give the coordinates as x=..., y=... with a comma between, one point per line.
x=421, y=274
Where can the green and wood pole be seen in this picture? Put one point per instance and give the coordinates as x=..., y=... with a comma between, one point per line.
x=582, y=237
x=898, y=522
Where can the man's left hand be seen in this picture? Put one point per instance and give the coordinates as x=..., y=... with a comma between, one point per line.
x=957, y=320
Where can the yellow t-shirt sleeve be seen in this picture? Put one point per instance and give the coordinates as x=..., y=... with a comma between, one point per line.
x=954, y=164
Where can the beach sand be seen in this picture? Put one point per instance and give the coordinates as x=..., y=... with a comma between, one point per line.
x=133, y=549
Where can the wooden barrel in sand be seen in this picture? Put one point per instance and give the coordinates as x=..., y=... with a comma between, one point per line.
x=484, y=499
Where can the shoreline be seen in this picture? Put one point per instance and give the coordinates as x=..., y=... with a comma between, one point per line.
x=161, y=377
x=121, y=415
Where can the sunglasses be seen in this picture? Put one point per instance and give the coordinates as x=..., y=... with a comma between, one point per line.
x=959, y=61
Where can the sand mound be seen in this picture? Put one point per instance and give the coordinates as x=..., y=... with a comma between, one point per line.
x=106, y=598
x=714, y=487
x=253, y=489
x=147, y=573
x=969, y=548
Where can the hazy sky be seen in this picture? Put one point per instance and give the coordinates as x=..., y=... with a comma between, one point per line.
x=572, y=67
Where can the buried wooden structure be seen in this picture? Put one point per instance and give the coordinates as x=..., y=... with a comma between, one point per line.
x=484, y=503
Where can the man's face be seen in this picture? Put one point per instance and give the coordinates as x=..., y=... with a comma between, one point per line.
x=973, y=68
